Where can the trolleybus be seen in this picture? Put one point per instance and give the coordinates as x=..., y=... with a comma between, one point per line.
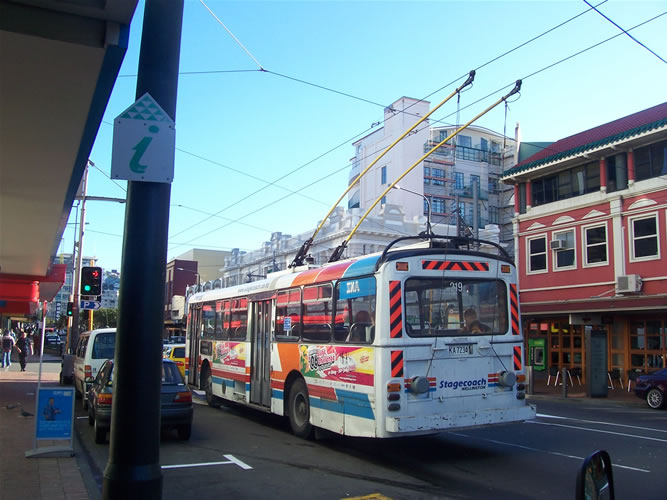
x=420, y=338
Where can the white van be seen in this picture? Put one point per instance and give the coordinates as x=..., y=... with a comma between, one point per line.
x=92, y=350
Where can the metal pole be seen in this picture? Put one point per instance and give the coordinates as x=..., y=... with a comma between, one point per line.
x=563, y=376
x=133, y=469
x=475, y=208
x=77, y=268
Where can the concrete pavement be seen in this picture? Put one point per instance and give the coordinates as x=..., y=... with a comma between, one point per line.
x=54, y=478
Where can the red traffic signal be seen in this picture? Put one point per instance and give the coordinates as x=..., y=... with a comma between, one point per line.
x=91, y=280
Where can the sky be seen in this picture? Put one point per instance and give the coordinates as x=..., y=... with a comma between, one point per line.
x=264, y=151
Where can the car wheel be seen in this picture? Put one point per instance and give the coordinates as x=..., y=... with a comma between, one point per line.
x=208, y=389
x=91, y=416
x=100, y=434
x=655, y=398
x=299, y=410
x=184, y=431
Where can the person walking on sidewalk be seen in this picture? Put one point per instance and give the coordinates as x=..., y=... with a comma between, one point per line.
x=7, y=345
x=22, y=345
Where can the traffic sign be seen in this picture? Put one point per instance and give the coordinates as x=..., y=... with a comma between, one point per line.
x=90, y=304
x=144, y=142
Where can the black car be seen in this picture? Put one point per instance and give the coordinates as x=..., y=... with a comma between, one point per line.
x=652, y=387
x=53, y=342
x=176, y=401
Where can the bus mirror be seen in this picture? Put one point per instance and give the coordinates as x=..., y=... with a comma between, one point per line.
x=594, y=479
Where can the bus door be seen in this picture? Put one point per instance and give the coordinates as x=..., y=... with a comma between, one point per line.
x=194, y=334
x=260, y=378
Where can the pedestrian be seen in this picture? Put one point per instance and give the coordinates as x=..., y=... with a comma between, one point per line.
x=7, y=345
x=22, y=345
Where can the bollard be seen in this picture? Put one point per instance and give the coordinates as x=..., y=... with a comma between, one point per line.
x=531, y=381
x=563, y=377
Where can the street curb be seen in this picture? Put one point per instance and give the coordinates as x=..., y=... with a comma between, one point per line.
x=585, y=399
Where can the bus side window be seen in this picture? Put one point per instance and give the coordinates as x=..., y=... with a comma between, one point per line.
x=288, y=315
x=317, y=313
x=355, y=311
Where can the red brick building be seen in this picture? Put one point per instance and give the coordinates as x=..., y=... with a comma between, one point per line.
x=590, y=236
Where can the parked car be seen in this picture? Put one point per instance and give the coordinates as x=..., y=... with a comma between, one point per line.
x=652, y=387
x=92, y=349
x=176, y=353
x=175, y=409
x=53, y=342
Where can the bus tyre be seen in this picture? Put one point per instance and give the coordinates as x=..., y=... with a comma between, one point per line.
x=208, y=389
x=655, y=399
x=100, y=434
x=299, y=409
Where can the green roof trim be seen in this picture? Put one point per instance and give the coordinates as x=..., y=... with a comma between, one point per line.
x=586, y=147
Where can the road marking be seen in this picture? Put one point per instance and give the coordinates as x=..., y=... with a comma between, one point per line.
x=539, y=450
x=601, y=431
x=601, y=423
x=231, y=459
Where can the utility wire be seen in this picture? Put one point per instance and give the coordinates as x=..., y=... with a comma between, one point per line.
x=624, y=31
x=465, y=107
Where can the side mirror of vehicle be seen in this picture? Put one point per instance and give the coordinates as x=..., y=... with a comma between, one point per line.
x=595, y=479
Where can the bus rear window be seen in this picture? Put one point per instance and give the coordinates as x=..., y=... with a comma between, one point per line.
x=104, y=346
x=455, y=306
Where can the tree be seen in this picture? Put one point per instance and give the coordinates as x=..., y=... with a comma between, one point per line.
x=105, y=318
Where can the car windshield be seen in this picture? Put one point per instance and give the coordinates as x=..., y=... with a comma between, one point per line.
x=171, y=375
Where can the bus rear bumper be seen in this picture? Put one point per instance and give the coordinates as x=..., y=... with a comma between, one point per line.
x=445, y=421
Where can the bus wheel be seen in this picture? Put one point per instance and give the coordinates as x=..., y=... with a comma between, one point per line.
x=208, y=389
x=299, y=410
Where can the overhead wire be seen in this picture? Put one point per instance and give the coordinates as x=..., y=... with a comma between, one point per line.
x=624, y=31
x=463, y=108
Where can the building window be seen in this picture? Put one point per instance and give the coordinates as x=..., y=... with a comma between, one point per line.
x=427, y=181
x=595, y=245
x=644, y=237
x=617, y=173
x=493, y=215
x=458, y=180
x=383, y=175
x=537, y=254
x=437, y=182
x=572, y=182
x=438, y=172
x=438, y=205
x=522, y=198
x=564, y=250
x=648, y=347
x=650, y=161
x=464, y=141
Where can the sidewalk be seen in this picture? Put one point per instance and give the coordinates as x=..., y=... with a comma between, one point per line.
x=617, y=395
x=35, y=478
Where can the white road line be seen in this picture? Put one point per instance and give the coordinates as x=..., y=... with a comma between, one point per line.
x=601, y=431
x=543, y=415
x=541, y=451
x=231, y=459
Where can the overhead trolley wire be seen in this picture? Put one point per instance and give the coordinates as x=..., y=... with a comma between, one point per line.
x=624, y=31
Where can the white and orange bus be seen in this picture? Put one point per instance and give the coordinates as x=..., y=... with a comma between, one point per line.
x=421, y=338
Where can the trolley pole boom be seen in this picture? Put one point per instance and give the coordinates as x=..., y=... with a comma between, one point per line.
x=338, y=252
x=301, y=254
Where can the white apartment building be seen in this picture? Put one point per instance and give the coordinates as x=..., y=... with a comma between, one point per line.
x=476, y=155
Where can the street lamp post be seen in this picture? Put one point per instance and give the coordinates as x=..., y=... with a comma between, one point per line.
x=429, y=230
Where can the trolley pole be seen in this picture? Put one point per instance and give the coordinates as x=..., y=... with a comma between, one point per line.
x=133, y=469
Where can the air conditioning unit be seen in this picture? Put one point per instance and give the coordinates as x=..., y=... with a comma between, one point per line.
x=176, y=314
x=629, y=283
x=558, y=244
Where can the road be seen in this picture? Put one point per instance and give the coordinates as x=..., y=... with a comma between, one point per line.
x=243, y=453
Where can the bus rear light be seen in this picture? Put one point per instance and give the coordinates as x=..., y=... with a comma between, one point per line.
x=88, y=373
x=520, y=387
x=504, y=268
x=394, y=407
x=104, y=399
x=520, y=395
x=394, y=387
x=402, y=266
x=521, y=377
x=393, y=396
x=183, y=397
x=419, y=385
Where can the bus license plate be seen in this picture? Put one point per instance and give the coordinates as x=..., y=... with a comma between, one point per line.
x=460, y=349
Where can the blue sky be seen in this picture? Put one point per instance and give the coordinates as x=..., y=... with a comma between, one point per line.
x=238, y=129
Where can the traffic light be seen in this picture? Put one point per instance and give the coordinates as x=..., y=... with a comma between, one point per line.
x=70, y=306
x=91, y=280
